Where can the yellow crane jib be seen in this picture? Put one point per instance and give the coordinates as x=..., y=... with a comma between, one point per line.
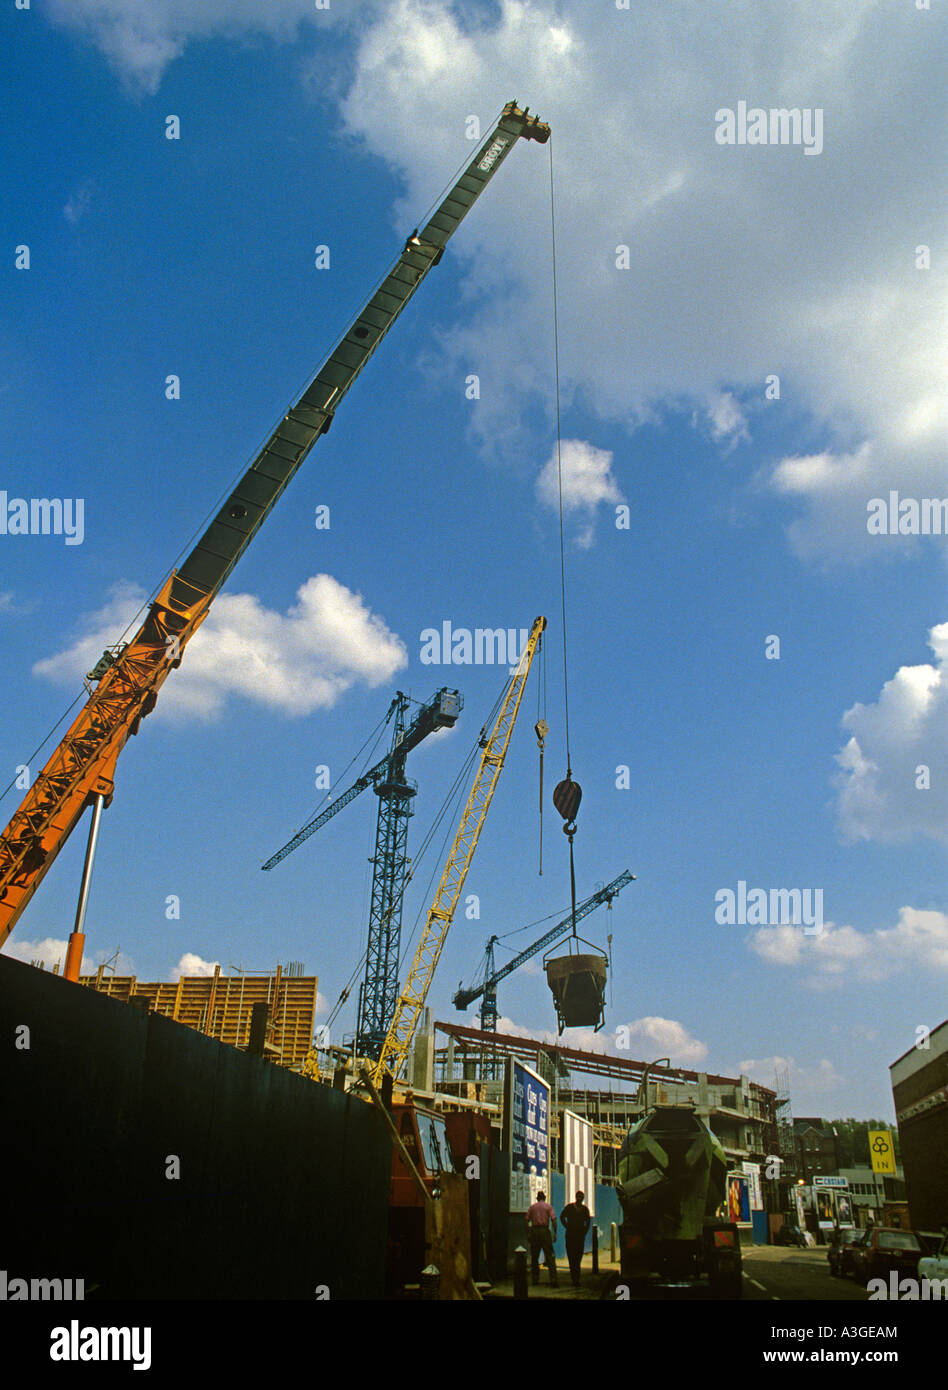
x=411, y=1001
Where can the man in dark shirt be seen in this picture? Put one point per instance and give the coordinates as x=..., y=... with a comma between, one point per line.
x=576, y=1222
x=541, y=1223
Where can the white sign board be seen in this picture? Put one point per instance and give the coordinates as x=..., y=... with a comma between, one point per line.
x=578, y=1161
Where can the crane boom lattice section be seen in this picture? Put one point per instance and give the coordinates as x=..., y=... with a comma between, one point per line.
x=412, y=998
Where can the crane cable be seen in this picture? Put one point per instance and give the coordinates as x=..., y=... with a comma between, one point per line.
x=375, y=735
x=40, y=746
x=559, y=456
x=541, y=728
x=567, y=794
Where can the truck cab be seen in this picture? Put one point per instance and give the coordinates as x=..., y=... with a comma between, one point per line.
x=424, y=1133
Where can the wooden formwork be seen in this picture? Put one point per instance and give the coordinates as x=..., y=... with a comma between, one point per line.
x=221, y=1005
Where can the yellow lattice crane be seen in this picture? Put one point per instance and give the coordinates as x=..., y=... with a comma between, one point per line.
x=411, y=1001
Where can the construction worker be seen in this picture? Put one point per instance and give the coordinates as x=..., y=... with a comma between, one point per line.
x=576, y=1222
x=541, y=1223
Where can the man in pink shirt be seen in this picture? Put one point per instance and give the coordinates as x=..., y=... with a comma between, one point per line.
x=541, y=1223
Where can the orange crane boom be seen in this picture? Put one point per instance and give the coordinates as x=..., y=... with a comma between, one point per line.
x=82, y=768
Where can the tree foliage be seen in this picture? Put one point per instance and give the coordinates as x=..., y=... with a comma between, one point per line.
x=854, y=1140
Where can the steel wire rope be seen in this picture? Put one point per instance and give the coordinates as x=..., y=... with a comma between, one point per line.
x=559, y=456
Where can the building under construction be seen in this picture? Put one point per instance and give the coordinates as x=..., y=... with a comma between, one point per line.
x=273, y=1013
x=462, y=1062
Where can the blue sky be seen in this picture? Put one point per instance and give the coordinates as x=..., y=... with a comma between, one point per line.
x=747, y=514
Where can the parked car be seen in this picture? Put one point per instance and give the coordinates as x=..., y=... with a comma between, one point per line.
x=935, y=1266
x=842, y=1243
x=886, y=1248
x=930, y=1241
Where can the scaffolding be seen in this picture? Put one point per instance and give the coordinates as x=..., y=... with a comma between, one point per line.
x=786, y=1145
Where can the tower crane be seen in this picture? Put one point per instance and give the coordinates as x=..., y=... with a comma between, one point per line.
x=411, y=1001
x=390, y=864
x=486, y=991
x=127, y=679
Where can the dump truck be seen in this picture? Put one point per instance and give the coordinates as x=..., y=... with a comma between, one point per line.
x=671, y=1186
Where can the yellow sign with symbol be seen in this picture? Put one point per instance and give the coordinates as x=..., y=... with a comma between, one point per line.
x=881, y=1151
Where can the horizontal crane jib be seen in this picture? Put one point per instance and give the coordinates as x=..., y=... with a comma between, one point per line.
x=465, y=997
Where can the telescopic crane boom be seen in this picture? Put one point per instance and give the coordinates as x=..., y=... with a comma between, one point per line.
x=411, y=1001
x=82, y=768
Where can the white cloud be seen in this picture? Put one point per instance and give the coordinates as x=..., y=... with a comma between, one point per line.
x=652, y=1037
x=296, y=663
x=514, y=1030
x=190, y=964
x=742, y=261
x=641, y=1041
x=79, y=202
x=727, y=420
x=905, y=730
x=840, y=955
x=141, y=38
x=51, y=951
x=587, y=480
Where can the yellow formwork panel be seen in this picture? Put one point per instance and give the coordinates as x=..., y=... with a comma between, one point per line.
x=221, y=1006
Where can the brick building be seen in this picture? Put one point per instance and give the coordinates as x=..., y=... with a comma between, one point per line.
x=920, y=1091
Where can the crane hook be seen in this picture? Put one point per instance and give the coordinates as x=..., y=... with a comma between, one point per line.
x=566, y=798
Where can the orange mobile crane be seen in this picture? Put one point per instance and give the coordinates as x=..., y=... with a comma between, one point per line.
x=81, y=771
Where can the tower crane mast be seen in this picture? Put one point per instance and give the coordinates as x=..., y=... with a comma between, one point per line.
x=411, y=1001
x=81, y=769
x=390, y=864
